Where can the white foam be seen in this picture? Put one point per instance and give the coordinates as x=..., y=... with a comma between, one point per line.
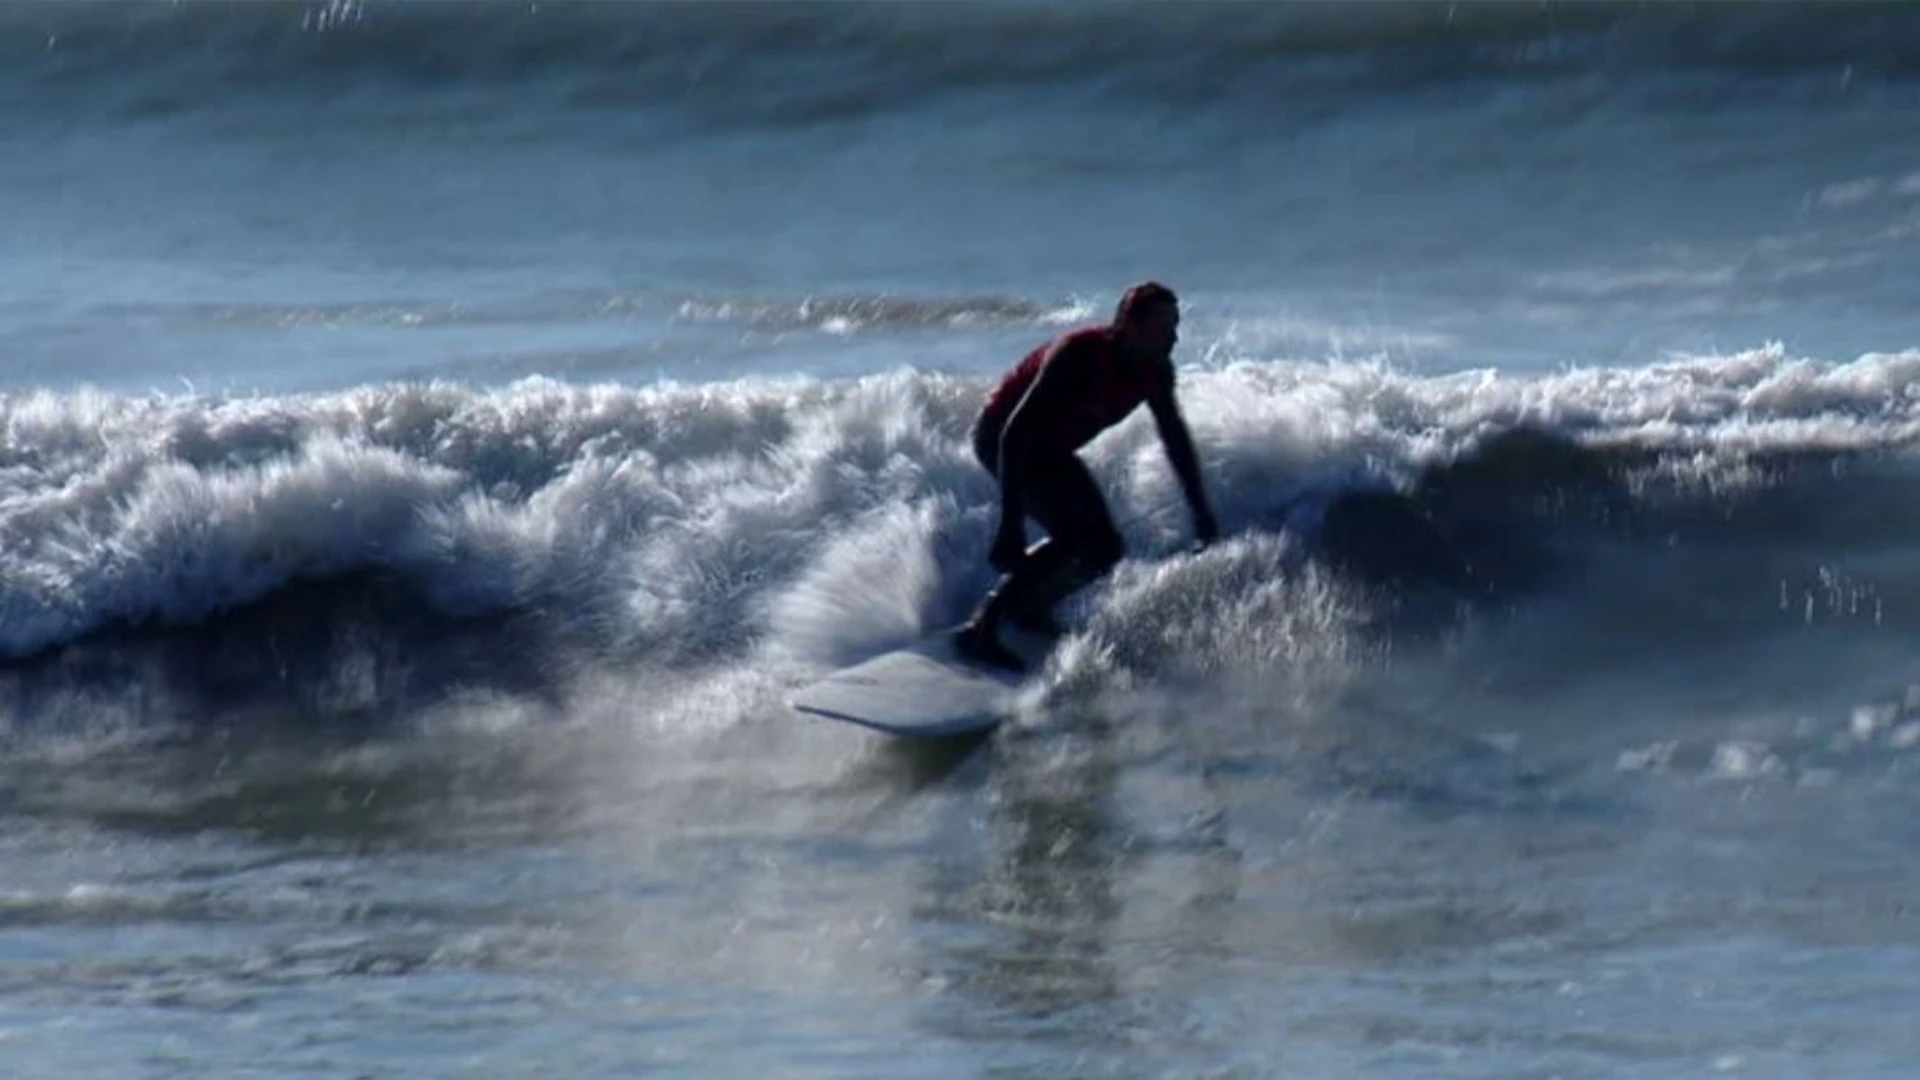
x=702, y=515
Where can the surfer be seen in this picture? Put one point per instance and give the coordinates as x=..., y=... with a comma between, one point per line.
x=1028, y=436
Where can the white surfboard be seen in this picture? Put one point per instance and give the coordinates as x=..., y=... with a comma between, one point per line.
x=925, y=690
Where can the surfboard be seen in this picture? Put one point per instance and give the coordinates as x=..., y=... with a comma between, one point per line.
x=926, y=690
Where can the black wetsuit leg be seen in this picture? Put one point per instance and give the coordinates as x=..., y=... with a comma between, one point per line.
x=1081, y=544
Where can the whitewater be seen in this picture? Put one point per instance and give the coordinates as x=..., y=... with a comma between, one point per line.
x=435, y=439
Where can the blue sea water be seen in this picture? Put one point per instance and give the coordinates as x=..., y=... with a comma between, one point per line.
x=435, y=437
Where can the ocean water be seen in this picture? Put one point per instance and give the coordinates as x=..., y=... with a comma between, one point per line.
x=435, y=437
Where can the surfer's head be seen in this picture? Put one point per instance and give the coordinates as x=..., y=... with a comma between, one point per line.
x=1147, y=319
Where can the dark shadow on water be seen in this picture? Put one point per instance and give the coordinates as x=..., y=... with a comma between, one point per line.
x=344, y=653
x=926, y=763
x=1481, y=529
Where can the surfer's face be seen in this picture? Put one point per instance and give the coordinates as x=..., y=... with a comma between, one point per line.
x=1153, y=331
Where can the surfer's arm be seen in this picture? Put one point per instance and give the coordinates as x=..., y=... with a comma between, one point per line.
x=1181, y=454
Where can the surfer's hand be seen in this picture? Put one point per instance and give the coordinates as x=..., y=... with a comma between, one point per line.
x=1009, y=548
x=1205, y=529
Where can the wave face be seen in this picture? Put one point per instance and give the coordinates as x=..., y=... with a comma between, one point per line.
x=676, y=528
x=763, y=258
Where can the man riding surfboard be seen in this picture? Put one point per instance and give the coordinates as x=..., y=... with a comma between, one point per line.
x=1055, y=401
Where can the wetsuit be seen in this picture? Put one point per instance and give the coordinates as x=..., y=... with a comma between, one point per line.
x=1060, y=493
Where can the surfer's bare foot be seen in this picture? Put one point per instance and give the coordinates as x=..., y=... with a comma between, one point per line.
x=978, y=643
